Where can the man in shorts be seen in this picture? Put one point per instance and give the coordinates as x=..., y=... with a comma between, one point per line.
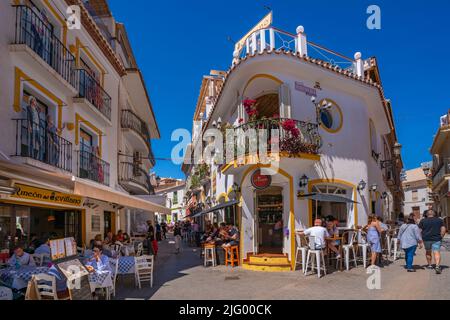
x=433, y=231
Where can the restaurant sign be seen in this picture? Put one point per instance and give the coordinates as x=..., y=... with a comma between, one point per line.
x=299, y=86
x=38, y=194
x=260, y=181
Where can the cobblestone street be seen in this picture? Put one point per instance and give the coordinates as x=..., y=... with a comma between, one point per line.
x=182, y=276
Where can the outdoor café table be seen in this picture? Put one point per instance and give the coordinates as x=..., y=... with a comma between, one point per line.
x=126, y=265
x=341, y=240
x=101, y=280
x=19, y=278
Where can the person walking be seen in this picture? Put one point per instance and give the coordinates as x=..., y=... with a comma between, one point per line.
x=433, y=231
x=177, y=235
x=410, y=237
x=373, y=237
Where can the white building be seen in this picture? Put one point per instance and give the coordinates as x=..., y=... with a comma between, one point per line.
x=340, y=159
x=417, y=192
x=173, y=192
x=83, y=172
x=440, y=173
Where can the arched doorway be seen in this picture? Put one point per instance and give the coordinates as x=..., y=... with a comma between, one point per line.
x=267, y=105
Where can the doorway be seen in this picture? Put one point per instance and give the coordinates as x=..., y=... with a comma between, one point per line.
x=109, y=223
x=269, y=220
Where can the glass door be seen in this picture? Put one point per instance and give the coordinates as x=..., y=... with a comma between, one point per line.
x=269, y=221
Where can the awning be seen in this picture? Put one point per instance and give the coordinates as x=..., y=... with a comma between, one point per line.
x=219, y=207
x=327, y=198
x=108, y=195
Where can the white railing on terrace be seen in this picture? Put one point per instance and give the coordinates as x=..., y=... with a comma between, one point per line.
x=273, y=39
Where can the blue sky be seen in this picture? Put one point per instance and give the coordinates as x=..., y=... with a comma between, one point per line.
x=177, y=42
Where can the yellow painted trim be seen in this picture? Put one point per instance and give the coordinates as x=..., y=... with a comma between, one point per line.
x=315, y=182
x=19, y=75
x=80, y=46
x=254, y=159
x=31, y=203
x=341, y=115
x=222, y=195
x=79, y=119
x=60, y=20
x=291, y=204
x=265, y=268
x=83, y=226
x=261, y=75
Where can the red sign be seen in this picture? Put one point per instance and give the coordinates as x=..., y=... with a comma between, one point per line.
x=260, y=181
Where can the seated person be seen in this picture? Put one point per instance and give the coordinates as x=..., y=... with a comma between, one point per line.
x=333, y=230
x=320, y=234
x=43, y=248
x=120, y=236
x=108, y=238
x=126, y=238
x=384, y=226
x=99, y=261
x=21, y=258
x=232, y=237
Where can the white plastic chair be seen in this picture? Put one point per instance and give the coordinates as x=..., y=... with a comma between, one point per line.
x=45, y=286
x=393, y=245
x=143, y=269
x=303, y=249
x=6, y=294
x=350, y=245
x=315, y=256
x=140, y=249
x=363, y=245
x=114, y=263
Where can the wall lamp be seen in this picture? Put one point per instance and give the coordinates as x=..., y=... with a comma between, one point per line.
x=362, y=185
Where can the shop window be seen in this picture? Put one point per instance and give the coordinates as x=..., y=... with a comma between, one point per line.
x=338, y=210
x=95, y=223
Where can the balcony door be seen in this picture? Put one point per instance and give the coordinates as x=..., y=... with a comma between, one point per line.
x=86, y=147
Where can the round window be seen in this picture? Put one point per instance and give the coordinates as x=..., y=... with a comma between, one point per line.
x=331, y=118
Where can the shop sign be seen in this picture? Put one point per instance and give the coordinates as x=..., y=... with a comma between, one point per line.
x=299, y=86
x=260, y=181
x=38, y=194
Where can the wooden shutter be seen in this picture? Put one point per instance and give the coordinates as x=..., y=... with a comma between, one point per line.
x=284, y=95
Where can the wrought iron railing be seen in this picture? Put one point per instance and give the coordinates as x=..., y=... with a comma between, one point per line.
x=39, y=142
x=441, y=171
x=132, y=121
x=132, y=172
x=90, y=89
x=389, y=170
x=275, y=39
x=32, y=31
x=281, y=135
x=93, y=168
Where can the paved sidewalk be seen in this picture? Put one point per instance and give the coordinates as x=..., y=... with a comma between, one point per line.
x=182, y=276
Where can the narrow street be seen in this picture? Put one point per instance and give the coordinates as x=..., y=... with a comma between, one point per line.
x=182, y=276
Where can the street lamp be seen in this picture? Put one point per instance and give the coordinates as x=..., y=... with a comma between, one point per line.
x=303, y=181
x=362, y=185
x=374, y=187
x=397, y=149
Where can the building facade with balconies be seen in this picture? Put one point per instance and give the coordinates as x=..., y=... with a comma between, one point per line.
x=330, y=140
x=77, y=121
x=440, y=173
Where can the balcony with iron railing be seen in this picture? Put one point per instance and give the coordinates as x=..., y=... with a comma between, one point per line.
x=39, y=142
x=389, y=171
x=93, y=168
x=441, y=172
x=288, y=137
x=131, y=121
x=91, y=90
x=33, y=32
x=134, y=179
x=273, y=39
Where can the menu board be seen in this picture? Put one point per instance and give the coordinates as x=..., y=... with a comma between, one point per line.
x=72, y=269
x=57, y=249
x=71, y=247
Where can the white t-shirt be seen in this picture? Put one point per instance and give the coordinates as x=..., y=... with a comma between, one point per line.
x=320, y=233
